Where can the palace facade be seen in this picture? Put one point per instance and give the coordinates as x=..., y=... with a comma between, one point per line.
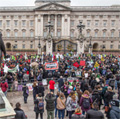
x=22, y=27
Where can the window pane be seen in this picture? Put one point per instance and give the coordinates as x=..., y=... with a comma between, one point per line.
x=23, y=23
x=23, y=46
x=104, y=34
x=15, y=22
x=16, y=34
x=8, y=34
x=58, y=33
x=23, y=33
x=0, y=23
x=8, y=23
x=31, y=33
x=31, y=23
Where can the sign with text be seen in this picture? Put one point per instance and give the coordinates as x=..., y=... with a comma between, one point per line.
x=51, y=66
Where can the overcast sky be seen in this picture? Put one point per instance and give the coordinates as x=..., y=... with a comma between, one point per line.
x=73, y=2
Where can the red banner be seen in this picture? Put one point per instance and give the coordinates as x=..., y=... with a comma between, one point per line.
x=82, y=63
x=76, y=64
x=51, y=66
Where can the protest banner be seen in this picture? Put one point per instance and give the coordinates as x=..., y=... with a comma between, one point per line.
x=82, y=63
x=51, y=66
x=29, y=85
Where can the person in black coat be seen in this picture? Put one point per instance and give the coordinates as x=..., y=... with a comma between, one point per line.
x=19, y=112
x=94, y=113
x=61, y=82
x=25, y=93
x=36, y=107
x=35, y=90
x=41, y=89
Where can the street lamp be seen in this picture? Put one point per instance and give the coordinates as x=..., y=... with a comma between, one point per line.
x=39, y=46
x=81, y=38
x=103, y=47
x=90, y=45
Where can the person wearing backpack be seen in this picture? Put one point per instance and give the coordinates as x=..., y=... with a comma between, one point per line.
x=73, y=105
x=85, y=102
x=94, y=113
x=61, y=105
x=112, y=83
x=39, y=107
x=25, y=92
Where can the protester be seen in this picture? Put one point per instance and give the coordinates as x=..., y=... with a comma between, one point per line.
x=35, y=90
x=19, y=112
x=25, y=92
x=39, y=107
x=50, y=106
x=52, y=83
x=41, y=89
x=94, y=113
x=4, y=86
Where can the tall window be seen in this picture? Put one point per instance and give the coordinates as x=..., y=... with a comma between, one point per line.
x=23, y=34
x=16, y=22
x=96, y=33
x=0, y=23
x=88, y=23
x=59, y=23
x=16, y=34
x=31, y=46
x=111, y=46
x=8, y=23
x=104, y=33
x=118, y=46
x=119, y=34
x=8, y=34
x=58, y=33
x=31, y=34
x=23, y=23
x=72, y=34
x=45, y=33
x=112, y=34
x=88, y=34
x=72, y=23
x=104, y=23
x=16, y=46
x=112, y=22
x=23, y=46
x=96, y=23
x=31, y=23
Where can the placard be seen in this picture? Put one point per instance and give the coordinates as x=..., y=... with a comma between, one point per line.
x=82, y=63
x=51, y=66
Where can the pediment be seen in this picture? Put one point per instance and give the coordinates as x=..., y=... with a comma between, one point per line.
x=52, y=7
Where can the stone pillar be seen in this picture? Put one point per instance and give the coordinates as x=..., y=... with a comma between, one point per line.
x=68, y=25
x=48, y=17
x=41, y=25
x=63, y=19
x=55, y=25
x=80, y=47
x=49, y=47
x=36, y=25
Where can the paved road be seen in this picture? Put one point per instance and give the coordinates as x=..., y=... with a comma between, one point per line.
x=28, y=108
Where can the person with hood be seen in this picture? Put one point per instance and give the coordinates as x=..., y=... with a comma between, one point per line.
x=114, y=112
x=61, y=82
x=39, y=107
x=19, y=112
x=50, y=105
x=61, y=105
x=108, y=97
x=94, y=113
x=4, y=86
x=41, y=89
x=77, y=114
x=25, y=92
x=85, y=102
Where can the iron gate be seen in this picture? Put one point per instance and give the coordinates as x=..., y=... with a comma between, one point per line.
x=64, y=46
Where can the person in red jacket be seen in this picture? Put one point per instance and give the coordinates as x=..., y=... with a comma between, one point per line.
x=4, y=87
x=51, y=83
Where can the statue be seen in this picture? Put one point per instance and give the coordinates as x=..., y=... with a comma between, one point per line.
x=2, y=48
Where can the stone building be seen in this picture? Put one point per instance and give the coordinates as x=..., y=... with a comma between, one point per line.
x=22, y=27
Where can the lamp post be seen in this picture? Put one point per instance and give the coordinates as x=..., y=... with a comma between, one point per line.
x=39, y=46
x=81, y=38
x=103, y=47
x=90, y=45
x=49, y=41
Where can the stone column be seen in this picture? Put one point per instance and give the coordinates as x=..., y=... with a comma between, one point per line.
x=63, y=21
x=80, y=47
x=36, y=25
x=49, y=47
x=55, y=25
x=41, y=25
x=68, y=26
x=90, y=50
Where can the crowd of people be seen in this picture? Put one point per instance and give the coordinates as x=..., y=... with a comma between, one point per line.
x=87, y=84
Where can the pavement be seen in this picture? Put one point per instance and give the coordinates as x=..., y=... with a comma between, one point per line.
x=28, y=108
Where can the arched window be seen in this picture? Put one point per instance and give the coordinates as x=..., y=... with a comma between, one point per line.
x=23, y=33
